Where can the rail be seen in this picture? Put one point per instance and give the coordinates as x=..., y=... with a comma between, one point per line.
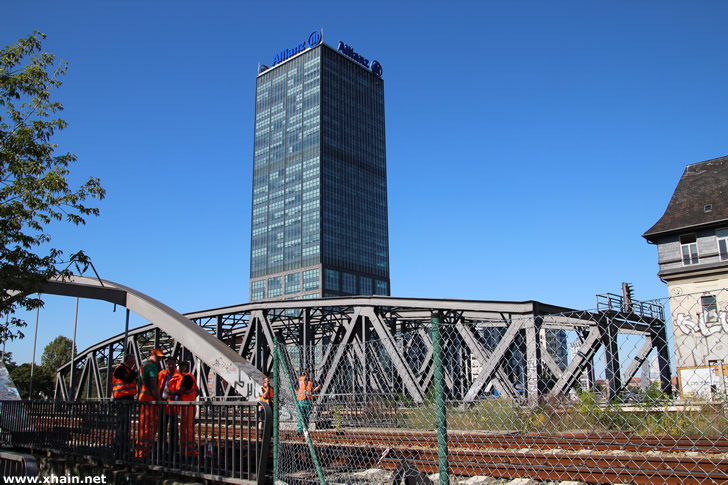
x=14, y=464
x=225, y=441
x=615, y=303
x=373, y=409
x=603, y=458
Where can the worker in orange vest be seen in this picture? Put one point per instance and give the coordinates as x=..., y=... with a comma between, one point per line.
x=304, y=395
x=149, y=413
x=124, y=380
x=124, y=388
x=168, y=420
x=185, y=390
x=266, y=396
x=266, y=392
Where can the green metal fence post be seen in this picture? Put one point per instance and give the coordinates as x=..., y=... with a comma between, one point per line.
x=440, y=402
x=306, y=434
x=276, y=429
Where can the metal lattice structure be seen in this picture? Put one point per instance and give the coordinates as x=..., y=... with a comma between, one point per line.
x=513, y=349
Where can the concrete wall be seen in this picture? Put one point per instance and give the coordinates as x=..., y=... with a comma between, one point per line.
x=699, y=337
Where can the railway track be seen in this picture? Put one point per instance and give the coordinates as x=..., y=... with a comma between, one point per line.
x=587, y=457
x=565, y=441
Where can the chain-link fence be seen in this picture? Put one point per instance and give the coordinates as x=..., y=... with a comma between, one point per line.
x=632, y=392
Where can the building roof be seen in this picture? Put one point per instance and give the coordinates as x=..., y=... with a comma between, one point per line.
x=702, y=184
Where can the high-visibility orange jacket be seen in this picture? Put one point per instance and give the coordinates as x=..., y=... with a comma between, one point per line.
x=305, y=389
x=121, y=388
x=187, y=413
x=267, y=395
x=191, y=393
x=173, y=386
x=177, y=376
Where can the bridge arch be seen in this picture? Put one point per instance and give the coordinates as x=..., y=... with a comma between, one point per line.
x=215, y=354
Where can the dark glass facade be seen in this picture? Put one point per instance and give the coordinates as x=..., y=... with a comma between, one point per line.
x=319, y=222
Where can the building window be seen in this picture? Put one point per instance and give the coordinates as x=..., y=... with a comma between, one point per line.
x=293, y=283
x=311, y=280
x=722, y=243
x=365, y=285
x=689, y=247
x=275, y=286
x=381, y=288
x=710, y=307
x=348, y=283
x=258, y=292
x=331, y=278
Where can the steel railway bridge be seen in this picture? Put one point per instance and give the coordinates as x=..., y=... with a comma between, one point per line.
x=231, y=348
x=377, y=360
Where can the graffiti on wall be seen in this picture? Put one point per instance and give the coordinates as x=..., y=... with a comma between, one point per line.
x=708, y=323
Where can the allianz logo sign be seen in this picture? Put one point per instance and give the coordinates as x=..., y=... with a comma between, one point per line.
x=349, y=52
x=313, y=40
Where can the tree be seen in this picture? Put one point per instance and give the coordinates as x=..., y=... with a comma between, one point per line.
x=8, y=361
x=34, y=189
x=44, y=381
x=56, y=354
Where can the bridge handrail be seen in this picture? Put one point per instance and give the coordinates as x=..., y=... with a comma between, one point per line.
x=228, y=440
x=15, y=464
x=615, y=303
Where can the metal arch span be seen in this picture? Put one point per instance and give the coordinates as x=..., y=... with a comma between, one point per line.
x=223, y=360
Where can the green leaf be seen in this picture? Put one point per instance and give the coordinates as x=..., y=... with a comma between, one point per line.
x=34, y=186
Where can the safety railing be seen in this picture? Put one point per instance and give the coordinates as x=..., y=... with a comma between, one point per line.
x=227, y=441
x=14, y=464
x=616, y=303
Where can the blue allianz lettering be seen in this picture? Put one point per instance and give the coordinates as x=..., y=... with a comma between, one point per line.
x=285, y=54
x=348, y=51
x=313, y=40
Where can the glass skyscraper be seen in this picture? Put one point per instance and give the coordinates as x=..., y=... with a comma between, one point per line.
x=319, y=222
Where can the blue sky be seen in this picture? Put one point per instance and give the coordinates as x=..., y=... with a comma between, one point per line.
x=529, y=144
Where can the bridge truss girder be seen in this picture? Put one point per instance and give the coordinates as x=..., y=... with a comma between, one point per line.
x=333, y=338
